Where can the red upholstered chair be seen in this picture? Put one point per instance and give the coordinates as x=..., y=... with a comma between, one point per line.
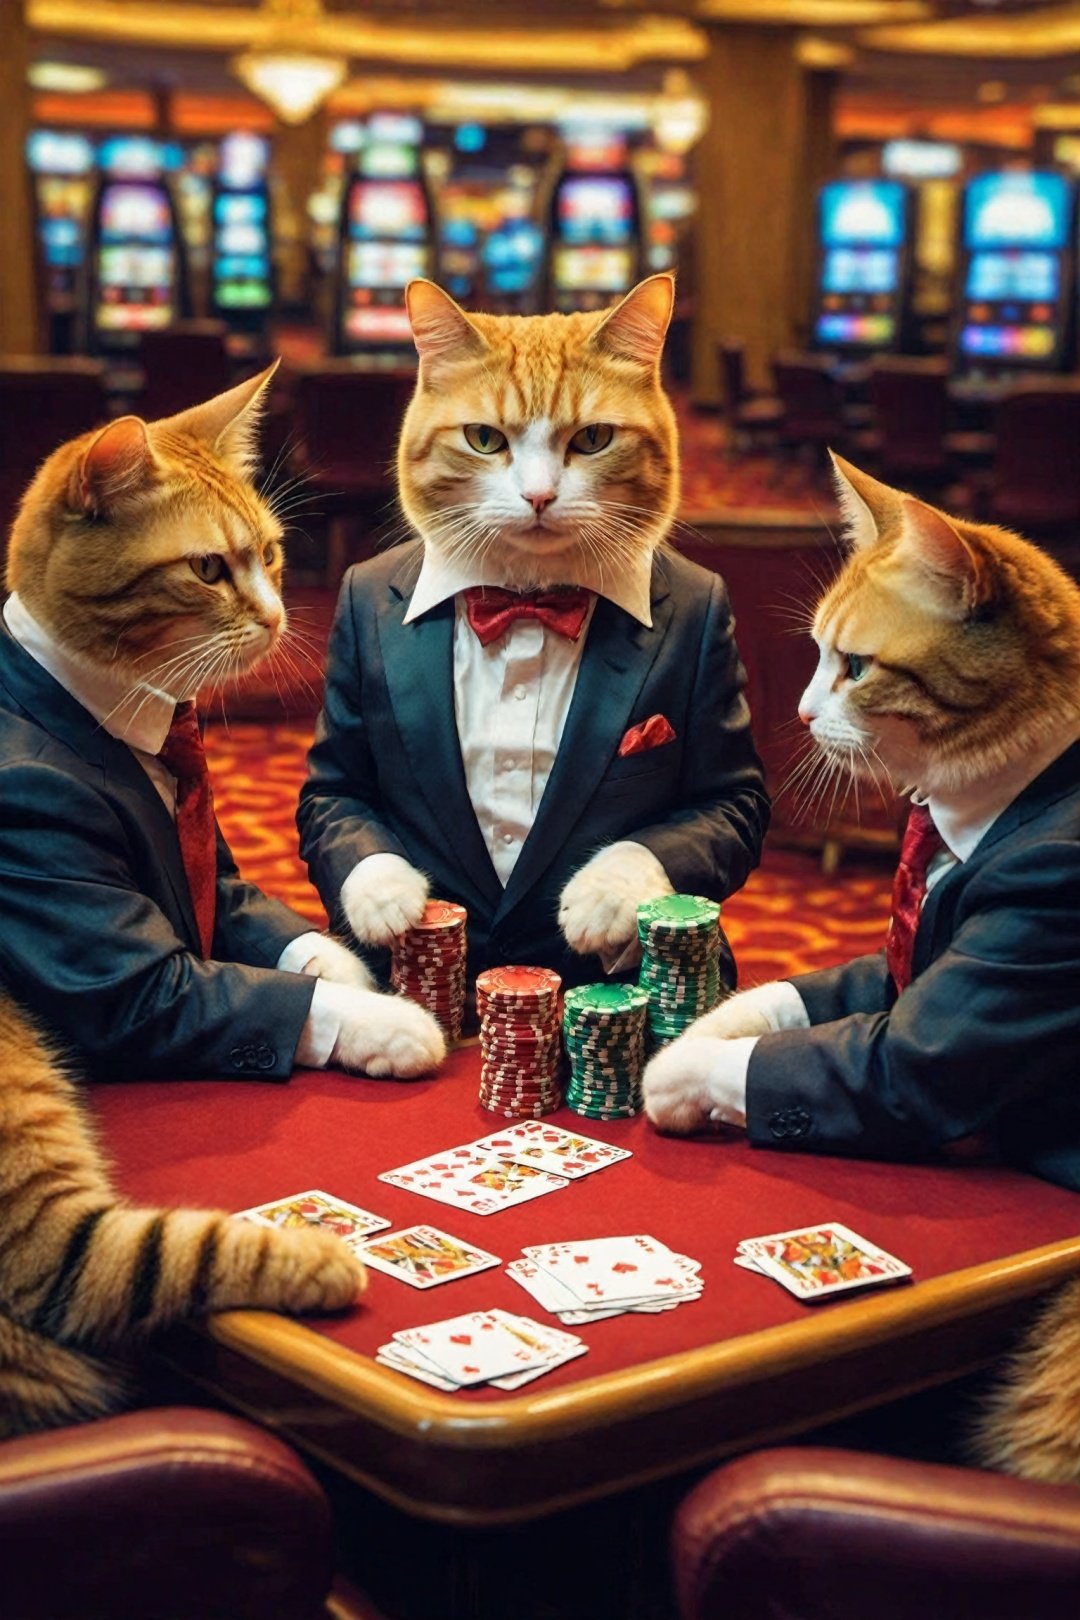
x=812, y=399
x=183, y=364
x=814, y=1534
x=42, y=403
x=911, y=410
x=347, y=422
x=1034, y=483
x=752, y=416
x=165, y=1514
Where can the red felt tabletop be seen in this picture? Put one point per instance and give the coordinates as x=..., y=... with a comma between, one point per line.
x=232, y=1144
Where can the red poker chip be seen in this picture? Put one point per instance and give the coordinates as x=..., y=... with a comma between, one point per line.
x=440, y=914
x=518, y=981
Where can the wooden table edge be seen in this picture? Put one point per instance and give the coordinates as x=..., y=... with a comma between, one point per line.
x=360, y=1386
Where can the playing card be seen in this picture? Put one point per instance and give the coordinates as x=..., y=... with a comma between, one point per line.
x=618, y=1270
x=472, y=1348
x=423, y=1257
x=558, y=1348
x=553, y=1294
x=549, y=1147
x=389, y=1355
x=474, y=1181
x=315, y=1208
x=817, y=1262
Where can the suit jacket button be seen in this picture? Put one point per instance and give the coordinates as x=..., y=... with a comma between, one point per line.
x=799, y=1122
x=250, y=1057
x=236, y=1058
x=778, y=1125
x=267, y=1057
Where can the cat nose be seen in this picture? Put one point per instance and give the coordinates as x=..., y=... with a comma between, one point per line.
x=806, y=713
x=538, y=499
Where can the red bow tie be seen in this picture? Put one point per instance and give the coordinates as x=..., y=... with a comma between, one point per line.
x=491, y=610
x=921, y=843
x=183, y=755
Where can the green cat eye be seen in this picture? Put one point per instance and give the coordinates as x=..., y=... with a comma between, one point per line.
x=488, y=441
x=588, y=440
x=857, y=666
x=210, y=568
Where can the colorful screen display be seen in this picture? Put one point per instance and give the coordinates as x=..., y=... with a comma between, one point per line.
x=244, y=208
x=860, y=270
x=388, y=208
x=862, y=211
x=590, y=269
x=50, y=151
x=135, y=211
x=999, y=342
x=378, y=323
x=871, y=330
x=511, y=257
x=1016, y=210
x=136, y=263
x=1027, y=277
x=595, y=209
x=385, y=264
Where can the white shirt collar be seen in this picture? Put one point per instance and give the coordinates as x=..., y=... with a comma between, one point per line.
x=965, y=817
x=139, y=716
x=442, y=577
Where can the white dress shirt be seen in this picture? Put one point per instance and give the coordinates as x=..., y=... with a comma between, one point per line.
x=511, y=698
x=140, y=716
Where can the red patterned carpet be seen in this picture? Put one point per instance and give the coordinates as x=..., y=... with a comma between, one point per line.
x=788, y=919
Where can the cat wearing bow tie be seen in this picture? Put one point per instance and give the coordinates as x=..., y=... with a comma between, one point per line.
x=533, y=707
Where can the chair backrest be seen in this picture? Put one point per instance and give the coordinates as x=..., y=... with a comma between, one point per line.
x=731, y=363
x=1036, y=472
x=911, y=404
x=348, y=421
x=43, y=403
x=184, y=364
x=810, y=395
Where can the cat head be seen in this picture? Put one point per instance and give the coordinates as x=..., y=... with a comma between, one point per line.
x=947, y=648
x=142, y=547
x=540, y=440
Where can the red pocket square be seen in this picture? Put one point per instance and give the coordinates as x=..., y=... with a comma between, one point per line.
x=652, y=733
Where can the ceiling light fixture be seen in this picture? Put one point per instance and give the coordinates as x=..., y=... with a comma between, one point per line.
x=284, y=70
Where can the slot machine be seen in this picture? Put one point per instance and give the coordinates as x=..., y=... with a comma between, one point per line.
x=1015, y=307
x=137, y=275
x=862, y=286
x=385, y=239
x=596, y=224
x=491, y=251
x=62, y=164
x=241, y=264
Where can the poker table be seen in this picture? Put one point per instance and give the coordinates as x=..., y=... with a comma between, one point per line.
x=655, y=1394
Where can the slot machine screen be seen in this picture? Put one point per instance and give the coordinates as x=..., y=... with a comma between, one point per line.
x=385, y=264
x=135, y=211
x=591, y=269
x=1029, y=277
x=595, y=210
x=859, y=270
x=511, y=258
x=867, y=212
x=1016, y=210
x=388, y=208
x=136, y=259
x=378, y=323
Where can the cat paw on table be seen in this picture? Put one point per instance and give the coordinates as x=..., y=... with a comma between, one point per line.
x=336, y=963
x=382, y=897
x=386, y=1036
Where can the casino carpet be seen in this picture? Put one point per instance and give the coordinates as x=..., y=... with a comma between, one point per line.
x=788, y=919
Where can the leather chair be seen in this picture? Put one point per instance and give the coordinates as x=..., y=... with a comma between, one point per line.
x=813, y=403
x=816, y=1534
x=183, y=364
x=165, y=1514
x=752, y=416
x=1034, y=482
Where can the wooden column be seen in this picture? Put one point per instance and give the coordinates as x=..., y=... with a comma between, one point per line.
x=20, y=314
x=752, y=175
x=296, y=170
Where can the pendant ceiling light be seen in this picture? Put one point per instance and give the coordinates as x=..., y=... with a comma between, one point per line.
x=284, y=70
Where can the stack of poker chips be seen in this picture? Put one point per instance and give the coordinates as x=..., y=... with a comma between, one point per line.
x=604, y=1029
x=519, y=1041
x=428, y=964
x=680, y=962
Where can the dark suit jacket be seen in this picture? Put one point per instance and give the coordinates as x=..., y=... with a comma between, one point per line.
x=98, y=938
x=386, y=771
x=986, y=1038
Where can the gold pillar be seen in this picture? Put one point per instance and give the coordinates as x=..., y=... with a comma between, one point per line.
x=756, y=166
x=20, y=313
x=296, y=170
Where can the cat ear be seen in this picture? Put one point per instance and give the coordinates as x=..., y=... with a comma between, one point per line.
x=868, y=508
x=118, y=463
x=941, y=551
x=227, y=424
x=439, y=326
x=635, y=329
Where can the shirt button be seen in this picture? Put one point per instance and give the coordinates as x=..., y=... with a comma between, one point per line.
x=508, y=838
x=520, y=693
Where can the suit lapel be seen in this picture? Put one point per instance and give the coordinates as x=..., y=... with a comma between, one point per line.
x=418, y=662
x=618, y=656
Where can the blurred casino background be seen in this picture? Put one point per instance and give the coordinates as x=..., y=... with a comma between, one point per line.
x=870, y=206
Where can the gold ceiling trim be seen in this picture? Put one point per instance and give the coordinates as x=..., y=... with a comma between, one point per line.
x=1029, y=34
x=814, y=13
x=226, y=29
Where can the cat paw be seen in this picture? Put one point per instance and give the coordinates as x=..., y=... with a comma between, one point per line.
x=681, y=1085
x=295, y=1269
x=382, y=897
x=598, y=907
x=336, y=963
x=388, y=1036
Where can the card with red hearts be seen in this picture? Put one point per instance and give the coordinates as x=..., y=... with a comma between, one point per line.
x=472, y=1348
x=629, y=1272
x=548, y=1147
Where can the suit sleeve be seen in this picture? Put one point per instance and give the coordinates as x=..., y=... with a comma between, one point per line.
x=714, y=838
x=863, y=985
x=249, y=926
x=982, y=1038
x=84, y=949
x=339, y=811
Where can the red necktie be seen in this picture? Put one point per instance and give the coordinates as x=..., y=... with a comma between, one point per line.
x=491, y=610
x=183, y=755
x=922, y=841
